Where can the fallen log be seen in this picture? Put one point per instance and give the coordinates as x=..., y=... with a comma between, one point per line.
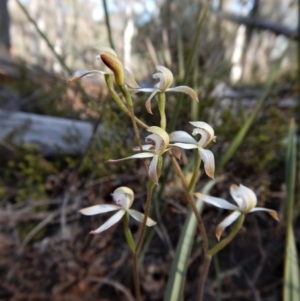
x=51, y=134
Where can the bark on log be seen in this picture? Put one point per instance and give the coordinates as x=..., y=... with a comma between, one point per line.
x=51, y=134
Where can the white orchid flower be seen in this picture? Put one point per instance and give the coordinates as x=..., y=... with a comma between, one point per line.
x=246, y=202
x=186, y=141
x=165, y=78
x=161, y=140
x=123, y=196
x=113, y=65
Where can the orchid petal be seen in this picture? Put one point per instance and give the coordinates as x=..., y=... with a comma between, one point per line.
x=218, y=202
x=226, y=222
x=130, y=80
x=99, y=209
x=161, y=79
x=75, y=78
x=140, y=155
x=160, y=146
x=235, y=193
x=205, y=126
x=148, y=102
x=184, y=145
x=103, y=49
x=209, y=161
x=140, y=217
x=146, y=90
x=182, y=136
x=250, y=197
x=185, y=89
x=157, y=140
x=244, y=197
x=205, y=137
x=152, y=169
x=111, y=221
x=167, y=78
x=273, y=213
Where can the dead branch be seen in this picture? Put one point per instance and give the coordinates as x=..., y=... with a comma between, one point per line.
x=258, y=23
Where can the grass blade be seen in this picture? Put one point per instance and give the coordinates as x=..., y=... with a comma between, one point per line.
x=291, y=285
x=175, y=286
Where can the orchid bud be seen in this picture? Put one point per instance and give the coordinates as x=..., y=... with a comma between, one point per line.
x=115, y=65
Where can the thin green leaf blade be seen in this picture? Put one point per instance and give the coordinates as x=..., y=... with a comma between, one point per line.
x=175, y=285
x=291, y=285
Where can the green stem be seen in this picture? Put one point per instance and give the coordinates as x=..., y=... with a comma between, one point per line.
x=195, y=172
x=203, y=276
x=127, y=96
x=127, y=232
x=136, y=278
x=161, y=107
x=151, y=186
x=223, y=243
x=119, y=102
x=115, y=96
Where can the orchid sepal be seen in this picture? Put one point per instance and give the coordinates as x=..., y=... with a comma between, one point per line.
x=230, y=219
x=272, y=212
x=186, y=90
x=110, y=222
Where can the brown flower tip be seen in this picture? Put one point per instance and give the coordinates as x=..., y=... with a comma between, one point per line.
x=115, y=65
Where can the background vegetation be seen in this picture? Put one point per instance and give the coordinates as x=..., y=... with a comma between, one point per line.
x=240, y=57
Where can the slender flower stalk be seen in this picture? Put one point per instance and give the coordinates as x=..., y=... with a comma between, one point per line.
x=127, y=232
x=119, y=102
x=224, y=242
x=128, y=99
x=195, y=172
x=161, y=107
x=140, y=239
